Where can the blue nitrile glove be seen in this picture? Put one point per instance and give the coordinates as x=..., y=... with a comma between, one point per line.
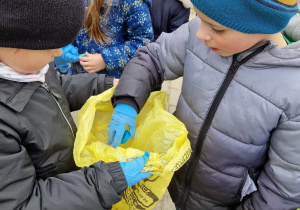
x=132, y=170
x=61, y=65
x=70, y=53
x=123, y=114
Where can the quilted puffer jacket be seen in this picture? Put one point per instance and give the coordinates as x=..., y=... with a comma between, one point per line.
x=242, y=114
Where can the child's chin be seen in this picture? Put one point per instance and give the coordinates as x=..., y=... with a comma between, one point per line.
x=224, y=54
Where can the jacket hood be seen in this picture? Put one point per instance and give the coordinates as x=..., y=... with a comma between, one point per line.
x=186, y=3
x=292, y=32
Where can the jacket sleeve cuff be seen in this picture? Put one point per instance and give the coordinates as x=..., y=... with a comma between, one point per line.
x=116, y=172
x=109, y=60
x=126, y=100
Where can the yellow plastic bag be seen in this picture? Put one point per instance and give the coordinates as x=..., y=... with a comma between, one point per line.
x=157, y=131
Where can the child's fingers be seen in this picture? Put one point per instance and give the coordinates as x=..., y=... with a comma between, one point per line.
x=142, y=175
x=88, y=54
x=126, y=137
x=141, y=161
x=85, y=64
x=93, y=71
x=85, y=59
x=132, y=131
x=89, y=69
x=111, y=136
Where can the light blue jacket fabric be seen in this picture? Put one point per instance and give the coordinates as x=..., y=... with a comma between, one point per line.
x=129, y=26
x=253, y=140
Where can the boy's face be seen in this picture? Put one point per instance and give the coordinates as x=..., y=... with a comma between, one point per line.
x=27, y=61
x=223, y=40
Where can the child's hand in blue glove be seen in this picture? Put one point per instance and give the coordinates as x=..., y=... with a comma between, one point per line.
x=61, y=65
x=123, y=115
x=132, y=170
x=70, y=53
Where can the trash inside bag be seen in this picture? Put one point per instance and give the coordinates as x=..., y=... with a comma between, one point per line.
x=157, y=131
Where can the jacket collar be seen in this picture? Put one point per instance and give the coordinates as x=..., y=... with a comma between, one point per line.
x=15, y=94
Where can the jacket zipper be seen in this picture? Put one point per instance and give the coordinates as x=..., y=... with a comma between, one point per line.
x=53, y=95
x=211, y=113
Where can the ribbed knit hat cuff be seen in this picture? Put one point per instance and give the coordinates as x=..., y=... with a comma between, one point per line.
x=251, y=16
x=36, y=44
x=40, y=24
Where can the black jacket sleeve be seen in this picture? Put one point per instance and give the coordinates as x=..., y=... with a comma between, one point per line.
x=141, y=75
x=78, y=88
x=91, y=188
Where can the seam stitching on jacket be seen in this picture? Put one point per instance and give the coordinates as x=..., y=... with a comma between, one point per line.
x=238, y=139
x=165, y=65
x=279, y=194
x=260, y=96
x=211, y=103
x=283, y=159
x=291, y=119
x=207, y=199
x=296, y=58
x=191, y=108
x=218, y=170
x=207, y=63
x=16, y=92
x=19, y=125
x=250, y=61
x=242, y=84
x=198, y=132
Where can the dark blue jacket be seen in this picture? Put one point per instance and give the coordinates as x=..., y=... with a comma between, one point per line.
x=167, y=16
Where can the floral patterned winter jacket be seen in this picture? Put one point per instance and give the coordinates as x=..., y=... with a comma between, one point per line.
x=128, y=24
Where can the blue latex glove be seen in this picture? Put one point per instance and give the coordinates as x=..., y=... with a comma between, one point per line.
x=70, y=53
x=61, y=65
x=123, y=115
x=132, y=170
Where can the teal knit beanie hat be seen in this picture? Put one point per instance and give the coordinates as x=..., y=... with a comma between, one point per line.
x=249, y=16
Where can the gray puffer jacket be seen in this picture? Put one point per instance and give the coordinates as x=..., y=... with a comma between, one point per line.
x=242, y=114
x=37, y=134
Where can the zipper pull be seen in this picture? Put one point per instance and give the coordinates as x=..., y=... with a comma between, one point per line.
x=232, y=67
x=44, y=85
x=50, y=91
